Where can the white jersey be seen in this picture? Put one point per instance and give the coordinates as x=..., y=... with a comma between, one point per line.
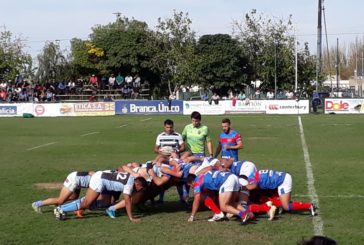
x=77, y=180
x=174, y=140
x=112, y=181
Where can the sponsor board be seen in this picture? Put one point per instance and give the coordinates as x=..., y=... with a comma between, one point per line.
x=8, y=110
x=287, y=107
x=243, y=106
x=92, y=109
x=203, y=107
x=125, y=107
x=344, y=106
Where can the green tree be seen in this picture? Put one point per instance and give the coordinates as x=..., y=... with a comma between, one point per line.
x=13, y=59
x=52, y=64
x=222, y=64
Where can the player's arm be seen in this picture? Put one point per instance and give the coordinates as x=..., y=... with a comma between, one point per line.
x=158, y=180
x=182, y=147
x=239, y=144
x=195, y=206
x=209, y=144
x=127, y=200
x=218, y=149
x=169, y=171
x=130, y=171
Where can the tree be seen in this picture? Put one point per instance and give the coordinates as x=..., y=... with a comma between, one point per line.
x=176, y=56
x=222, y=64
x=13, y=60
x=52, y=63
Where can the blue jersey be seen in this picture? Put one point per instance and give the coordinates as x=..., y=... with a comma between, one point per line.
x=185, y=168
x=269, y=179
x=229, y=139
x=117, y=181
x=83, y=179
x=211, y=180
x=236, y=167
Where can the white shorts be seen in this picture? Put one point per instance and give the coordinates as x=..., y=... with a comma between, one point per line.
x=70, y=183
x=231, y=184
x=248, y=169
x=96, y=182
x=286, y=186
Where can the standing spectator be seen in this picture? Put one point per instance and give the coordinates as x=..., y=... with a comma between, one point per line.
x=257, y=94
x=71, y=87
x=112, y=81
x=3, y=95
x=241, y=96
x=93, y=81
x=270, y=95
x=215, y=98
x=171, y=97
x=119, y=80
x=229, y=141
x=196, y=135
x=104, y=82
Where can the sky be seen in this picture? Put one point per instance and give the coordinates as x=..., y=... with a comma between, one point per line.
x=38, y=21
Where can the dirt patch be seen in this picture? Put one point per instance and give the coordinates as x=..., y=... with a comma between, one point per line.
x=50, y=185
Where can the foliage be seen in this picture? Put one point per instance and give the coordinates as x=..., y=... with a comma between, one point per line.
x=222, y=63
x=52, y=64
x=13, y=59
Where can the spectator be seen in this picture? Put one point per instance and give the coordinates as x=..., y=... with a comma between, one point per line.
x=171, y=97
x=3, y=95
x=93, y=81
x=241, y=96
x=125, y=91
x=112, y=81
x=136, y=82
x=129, y=80
x=119, y=80
x=257, y=94
x=104, y=82
x=289, y=95
x=270, y=95
x=215, y=98
x=71, y=86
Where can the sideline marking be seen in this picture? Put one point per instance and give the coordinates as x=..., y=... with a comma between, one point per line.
x=333, y=196
x=83, y=135
x=124, y=125
x=143, y=120
x=39, y=146
x=318, y=224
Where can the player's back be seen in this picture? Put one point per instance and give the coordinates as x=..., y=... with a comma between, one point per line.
x=116, y=181
x=270, y=179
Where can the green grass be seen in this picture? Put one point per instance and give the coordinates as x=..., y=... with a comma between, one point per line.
x=335, y=145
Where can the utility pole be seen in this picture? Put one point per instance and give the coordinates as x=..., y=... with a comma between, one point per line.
x=296, y=66
x=337, y=67
x=319, y=38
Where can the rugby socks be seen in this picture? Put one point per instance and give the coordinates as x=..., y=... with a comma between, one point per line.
x=72, y=206
x=112, y=208
x=258, y=208
x=39, y=204
x=297, y=206
x=161, y=197
x=211, y=205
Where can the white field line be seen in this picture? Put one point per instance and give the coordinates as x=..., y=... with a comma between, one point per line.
x=333, y=196
x=121, y=126
x=83, y=135
x=40, y=146
x=318, y=224
x=147, y=119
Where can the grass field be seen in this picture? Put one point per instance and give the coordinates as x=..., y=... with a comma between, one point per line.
x=47, y=149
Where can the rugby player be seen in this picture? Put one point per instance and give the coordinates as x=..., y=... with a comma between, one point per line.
x=105, y=181
x=70, y=190
x=230, y=141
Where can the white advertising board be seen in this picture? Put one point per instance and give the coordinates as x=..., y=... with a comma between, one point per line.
x=344, y=106
x=243, y=106
x=287, y=107
x=15, y=110
x=202, y=107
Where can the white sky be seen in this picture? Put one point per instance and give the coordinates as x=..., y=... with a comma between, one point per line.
x=40, y=20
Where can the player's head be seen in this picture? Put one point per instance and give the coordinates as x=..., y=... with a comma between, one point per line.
x=140, y=184
x=318, y=240
x=168, y=126
x=190, y=179
x=196, y=118
x=225, y=124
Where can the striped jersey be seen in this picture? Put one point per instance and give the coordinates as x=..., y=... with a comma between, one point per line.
x=174, y=140
x=229, y=139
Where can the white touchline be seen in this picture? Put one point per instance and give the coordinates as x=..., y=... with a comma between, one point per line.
x=82, y=135
x=333, y=196
x=39, y=146
x=124, y=125
x=318, y=224
x=145, y=119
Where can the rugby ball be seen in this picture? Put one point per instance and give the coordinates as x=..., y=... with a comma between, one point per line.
x=166, y=150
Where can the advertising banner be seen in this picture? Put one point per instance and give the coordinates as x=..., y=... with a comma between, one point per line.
x=344, y=106
x=142, y=107
x=74, y=109
x=203, y=107
x=14, y=110
x=243, y=106
x=287, y=107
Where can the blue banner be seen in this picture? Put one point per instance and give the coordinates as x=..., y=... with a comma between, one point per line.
x=125, y=107
x=8, y=110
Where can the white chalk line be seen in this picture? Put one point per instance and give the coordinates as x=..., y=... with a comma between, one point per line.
x=121, y=126
x=353, y=196
x=40, y=146
x=147, y=119
x=83, y=135
x=318, y=224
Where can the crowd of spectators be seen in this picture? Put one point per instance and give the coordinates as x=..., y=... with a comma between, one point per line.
x=94, y=88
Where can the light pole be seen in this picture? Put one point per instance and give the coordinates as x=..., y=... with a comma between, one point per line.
x=275, y=69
